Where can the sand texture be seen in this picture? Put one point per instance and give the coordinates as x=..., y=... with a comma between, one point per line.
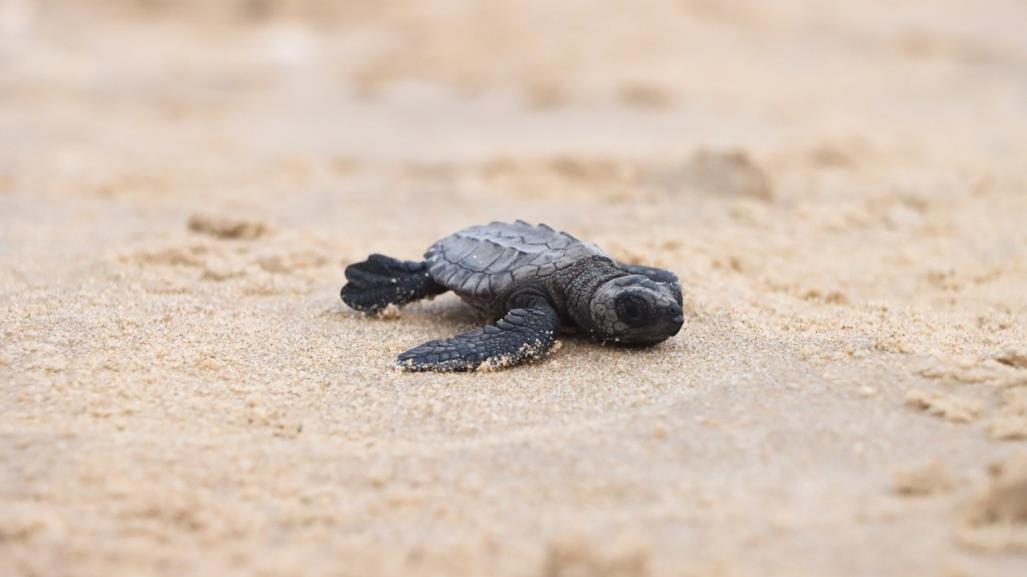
x=841, y=187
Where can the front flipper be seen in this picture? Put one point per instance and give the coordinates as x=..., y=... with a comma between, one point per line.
x=656, y=275
x=524, y=334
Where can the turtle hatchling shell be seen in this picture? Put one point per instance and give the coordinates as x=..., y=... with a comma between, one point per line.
x=483, y=261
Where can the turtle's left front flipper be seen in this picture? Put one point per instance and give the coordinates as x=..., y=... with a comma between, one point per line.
x=524, y=334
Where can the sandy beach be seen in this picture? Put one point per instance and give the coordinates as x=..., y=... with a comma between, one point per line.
x=841, y=188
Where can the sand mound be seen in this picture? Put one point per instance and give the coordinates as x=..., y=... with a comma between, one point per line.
x=227, y=227
x=997, y=520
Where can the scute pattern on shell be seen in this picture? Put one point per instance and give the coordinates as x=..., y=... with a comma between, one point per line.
x=483, y=261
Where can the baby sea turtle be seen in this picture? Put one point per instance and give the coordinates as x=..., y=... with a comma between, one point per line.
x=535, y=281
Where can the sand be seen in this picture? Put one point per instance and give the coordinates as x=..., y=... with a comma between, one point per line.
x=840, y=187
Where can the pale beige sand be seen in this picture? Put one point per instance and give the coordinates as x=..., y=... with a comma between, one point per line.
x=840, y=186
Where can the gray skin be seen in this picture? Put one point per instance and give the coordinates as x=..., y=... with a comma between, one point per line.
x=535, y=280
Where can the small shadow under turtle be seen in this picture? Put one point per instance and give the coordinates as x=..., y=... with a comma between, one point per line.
x=445, y=308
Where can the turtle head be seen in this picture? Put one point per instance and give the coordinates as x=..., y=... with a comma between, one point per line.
x=634, y=310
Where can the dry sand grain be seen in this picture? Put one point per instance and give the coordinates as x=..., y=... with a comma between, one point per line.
x=840, y=187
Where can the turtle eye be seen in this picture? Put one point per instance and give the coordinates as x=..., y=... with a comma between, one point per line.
x=633, y=309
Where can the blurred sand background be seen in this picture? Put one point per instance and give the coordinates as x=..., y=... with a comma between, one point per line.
x=840, y=185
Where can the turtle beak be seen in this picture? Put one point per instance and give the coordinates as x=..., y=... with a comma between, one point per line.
x=676, y=321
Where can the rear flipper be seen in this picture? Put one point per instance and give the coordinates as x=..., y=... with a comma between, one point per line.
x=524, y=334
x=381, y=281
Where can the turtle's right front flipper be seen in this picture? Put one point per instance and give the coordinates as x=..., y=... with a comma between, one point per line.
x=524, y=334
